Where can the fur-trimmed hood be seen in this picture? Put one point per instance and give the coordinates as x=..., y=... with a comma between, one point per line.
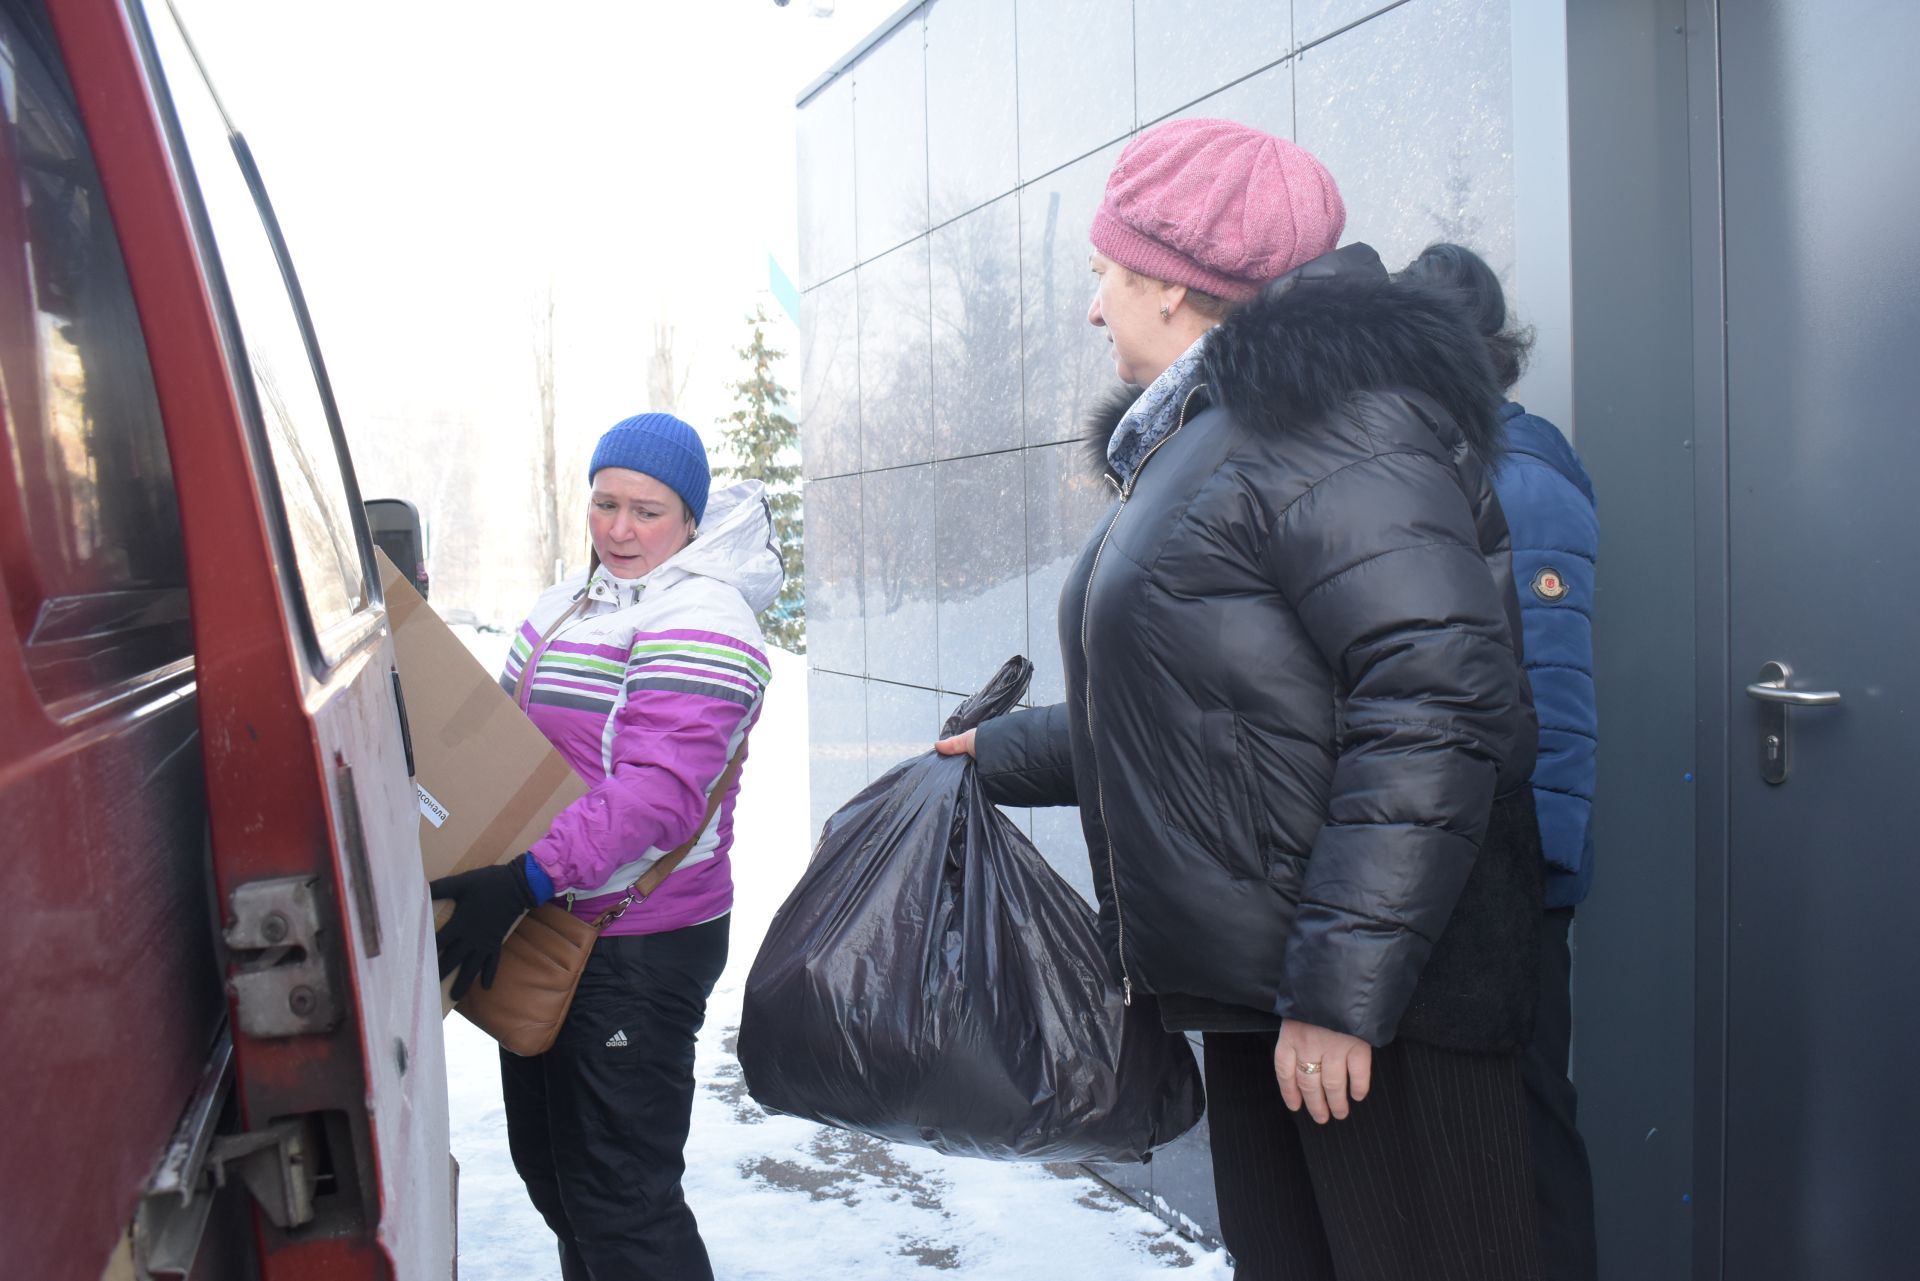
x=1332, y=327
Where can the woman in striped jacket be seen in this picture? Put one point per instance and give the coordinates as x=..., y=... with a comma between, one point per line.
x=647, y=673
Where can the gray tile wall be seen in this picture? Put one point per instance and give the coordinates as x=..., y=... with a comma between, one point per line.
x=947, y=180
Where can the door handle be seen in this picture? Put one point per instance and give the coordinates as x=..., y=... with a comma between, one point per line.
x=1771, y=692
x=406, y=732
x=1793, y=697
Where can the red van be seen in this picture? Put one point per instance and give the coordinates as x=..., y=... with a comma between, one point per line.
x=219, y=1030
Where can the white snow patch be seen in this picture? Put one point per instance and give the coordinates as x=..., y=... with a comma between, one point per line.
x=779, y=1198
x=489, y=645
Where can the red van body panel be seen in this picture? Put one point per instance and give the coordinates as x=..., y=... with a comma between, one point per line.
x=148, y=819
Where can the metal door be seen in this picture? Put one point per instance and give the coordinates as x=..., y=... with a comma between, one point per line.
x=1822, y=305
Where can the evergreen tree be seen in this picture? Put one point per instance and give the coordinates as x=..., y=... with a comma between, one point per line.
x=765, y=443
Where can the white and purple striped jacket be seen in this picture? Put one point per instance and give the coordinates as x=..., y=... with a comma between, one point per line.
x=648, y=692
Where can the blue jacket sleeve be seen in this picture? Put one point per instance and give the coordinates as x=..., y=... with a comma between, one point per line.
x=1556, y=541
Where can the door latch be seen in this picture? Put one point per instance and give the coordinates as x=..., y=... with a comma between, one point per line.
x=279, y=978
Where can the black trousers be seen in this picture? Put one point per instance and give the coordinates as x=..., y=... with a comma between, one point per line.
x=598, y=1124
x=1563, y=1180
x=1427, y=1180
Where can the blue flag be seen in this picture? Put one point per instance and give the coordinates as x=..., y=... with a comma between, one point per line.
x=783, y=289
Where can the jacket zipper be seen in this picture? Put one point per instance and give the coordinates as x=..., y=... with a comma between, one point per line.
x=1086, y=602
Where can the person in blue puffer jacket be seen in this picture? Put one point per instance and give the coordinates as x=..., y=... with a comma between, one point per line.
x=1549, y=504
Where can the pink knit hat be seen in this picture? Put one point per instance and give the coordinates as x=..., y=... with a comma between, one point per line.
x=1218, y=206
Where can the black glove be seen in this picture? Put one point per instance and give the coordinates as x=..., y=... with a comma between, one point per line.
x=487, y=901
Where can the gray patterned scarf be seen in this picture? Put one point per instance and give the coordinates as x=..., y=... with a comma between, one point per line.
x=1154, y=416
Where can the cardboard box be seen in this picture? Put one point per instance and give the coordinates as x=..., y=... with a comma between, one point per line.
x=489, y=782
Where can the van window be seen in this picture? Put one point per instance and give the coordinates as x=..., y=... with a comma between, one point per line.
x=90, y=530
x=272, y=346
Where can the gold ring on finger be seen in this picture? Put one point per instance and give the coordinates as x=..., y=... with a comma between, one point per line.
x=1309, y=1069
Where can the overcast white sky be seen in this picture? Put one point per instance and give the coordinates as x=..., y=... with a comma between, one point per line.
x=435, y=163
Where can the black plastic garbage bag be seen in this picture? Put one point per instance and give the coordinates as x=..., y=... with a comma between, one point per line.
x=931, y=980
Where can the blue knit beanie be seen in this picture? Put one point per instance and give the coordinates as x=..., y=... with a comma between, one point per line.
x=660, y=446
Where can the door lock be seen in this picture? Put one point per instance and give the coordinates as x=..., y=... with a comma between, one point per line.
x=1771, y=692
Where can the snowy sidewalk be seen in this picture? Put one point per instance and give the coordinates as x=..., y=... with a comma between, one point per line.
x=780, y=1199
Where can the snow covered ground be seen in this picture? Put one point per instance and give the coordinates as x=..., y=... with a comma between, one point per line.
x=781, y=1199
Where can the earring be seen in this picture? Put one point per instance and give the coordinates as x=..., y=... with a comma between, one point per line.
x=1164, y=313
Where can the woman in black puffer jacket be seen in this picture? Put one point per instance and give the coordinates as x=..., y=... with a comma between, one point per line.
x=1294, y=697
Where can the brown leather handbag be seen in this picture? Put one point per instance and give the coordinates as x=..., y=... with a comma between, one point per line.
x=543, y=958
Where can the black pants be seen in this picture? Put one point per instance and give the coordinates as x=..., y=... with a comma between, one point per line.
x=1427, y=1180
x=1562, y=1178
x=598, y=1124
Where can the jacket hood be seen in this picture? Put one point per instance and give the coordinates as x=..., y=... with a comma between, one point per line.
x=1537, y=438
x=1332, y=327
x=735, y=546
x=1339, y=325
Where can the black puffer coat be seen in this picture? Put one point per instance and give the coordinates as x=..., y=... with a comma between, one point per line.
x=1294, y=691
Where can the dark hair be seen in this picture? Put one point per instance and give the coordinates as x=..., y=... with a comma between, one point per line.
x=1466, y=274
x=1212, y=306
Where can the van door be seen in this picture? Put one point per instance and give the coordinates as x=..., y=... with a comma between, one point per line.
x=328, y=947
x=111, y=1017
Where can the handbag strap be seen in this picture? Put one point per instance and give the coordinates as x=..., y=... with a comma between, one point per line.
x=662, y=867
x=520, y=686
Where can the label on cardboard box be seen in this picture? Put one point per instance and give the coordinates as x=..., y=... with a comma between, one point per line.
x=431, y=810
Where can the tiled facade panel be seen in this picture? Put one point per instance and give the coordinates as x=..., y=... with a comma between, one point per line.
x=977, y=395
x=901, y=723
x=890, y=129
x=896, y=387
x=1317, y=19
x=825, y=183
x=1178, y=59
x=836, y=608
x=947, y=182
x=980, y=566
x=1067, y=362
x=1422, y=146
x=1263, y=100
x=973, y=142
x=1076, y=79
x=898, y=510
x=836, y=740
x=830, y=378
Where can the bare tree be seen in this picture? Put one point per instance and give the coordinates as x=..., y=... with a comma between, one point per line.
x=548, y=551
x=663, y=389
